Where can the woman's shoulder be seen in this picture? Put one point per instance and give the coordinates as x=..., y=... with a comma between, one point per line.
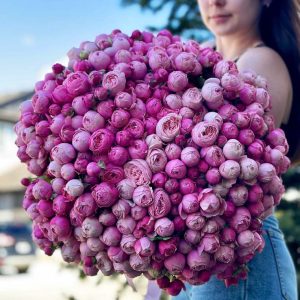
x=269, y=64
x=264, y=58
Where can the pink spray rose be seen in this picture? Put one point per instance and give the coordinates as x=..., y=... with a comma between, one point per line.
x=156, y=160
x=77, y=83
x=205, y=133
x=139, y=171
x=168, y=127
x=114, y=82
x=177, y=81
x=143, y=196
x=161, y=205
x=101, y=140
x=211, y=204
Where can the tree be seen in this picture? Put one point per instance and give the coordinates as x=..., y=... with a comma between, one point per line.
x=183, y=19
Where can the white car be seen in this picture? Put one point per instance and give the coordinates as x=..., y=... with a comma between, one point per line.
x=17, y=250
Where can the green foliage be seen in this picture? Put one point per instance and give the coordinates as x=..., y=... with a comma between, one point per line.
x=183, y=19
x=292, y=178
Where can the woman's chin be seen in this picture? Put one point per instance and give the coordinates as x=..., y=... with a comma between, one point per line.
x=222, y=31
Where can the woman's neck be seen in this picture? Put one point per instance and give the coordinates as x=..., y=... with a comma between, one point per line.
x=233, y=46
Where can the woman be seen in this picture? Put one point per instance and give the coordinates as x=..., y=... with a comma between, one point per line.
x=261, y=36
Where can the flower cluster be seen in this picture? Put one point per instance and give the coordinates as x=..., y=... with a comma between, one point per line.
x=153, y=157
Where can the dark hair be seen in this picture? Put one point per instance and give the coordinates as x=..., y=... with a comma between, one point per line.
x=280, y=29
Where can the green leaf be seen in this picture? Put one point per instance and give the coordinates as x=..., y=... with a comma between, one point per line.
x=160, y=238
x=101, y=164
x=83, y=55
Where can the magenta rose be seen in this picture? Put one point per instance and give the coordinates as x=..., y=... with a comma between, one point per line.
x=105, y=194
x=112, y=174
x=77, y=83
x=101, y=140
x=159, y=59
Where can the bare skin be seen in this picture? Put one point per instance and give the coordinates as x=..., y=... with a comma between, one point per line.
x=235, y=26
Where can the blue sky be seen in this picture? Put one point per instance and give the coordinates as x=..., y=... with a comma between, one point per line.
x=37, y=33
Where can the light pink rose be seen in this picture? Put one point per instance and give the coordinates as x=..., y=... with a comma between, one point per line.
x=114, y=82
x=161, y=205
x=177, y=81
x=168, y=127
x=143, y=195
x=192, y=98
x=205, y=133
x=156, y=160
x=211, y=204
x=139, y=171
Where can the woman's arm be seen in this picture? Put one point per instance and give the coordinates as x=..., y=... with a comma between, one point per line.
x=267, y=63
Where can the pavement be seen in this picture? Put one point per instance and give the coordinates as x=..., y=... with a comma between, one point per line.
x=49, y=279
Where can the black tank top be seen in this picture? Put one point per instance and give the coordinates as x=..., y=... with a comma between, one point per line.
x=260, y=44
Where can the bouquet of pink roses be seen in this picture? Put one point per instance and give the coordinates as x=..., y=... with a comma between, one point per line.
x=153, y=157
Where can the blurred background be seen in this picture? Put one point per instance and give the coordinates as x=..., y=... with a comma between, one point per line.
x=36, y=34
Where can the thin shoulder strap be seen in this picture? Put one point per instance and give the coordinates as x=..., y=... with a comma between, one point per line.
x=259, y=44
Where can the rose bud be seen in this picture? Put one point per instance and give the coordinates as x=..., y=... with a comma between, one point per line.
x=175, y=287
x=121, y=208
x=105, y=194
x=241, y=220
x=144, y=247
x=195, y=221
x=127, y=243
x=138, y=212
x=192, y=236
x=245, y=238
x=91, y=227
x=114, y=82
x=198, y=262
x=211, y=204
x=139, y=263
x=210, y=243
x=111, y=236
x=126, y=225
x=116, y=254
x=139, y=171
x=163, y=282
x=228, y=235
x=156, y=160
x=224, y=254
x=143, y=196
x=126, y=188
x=168, y=247
x=175, y=263
x=164, y=227
x=177, y=81
x=107, y=218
